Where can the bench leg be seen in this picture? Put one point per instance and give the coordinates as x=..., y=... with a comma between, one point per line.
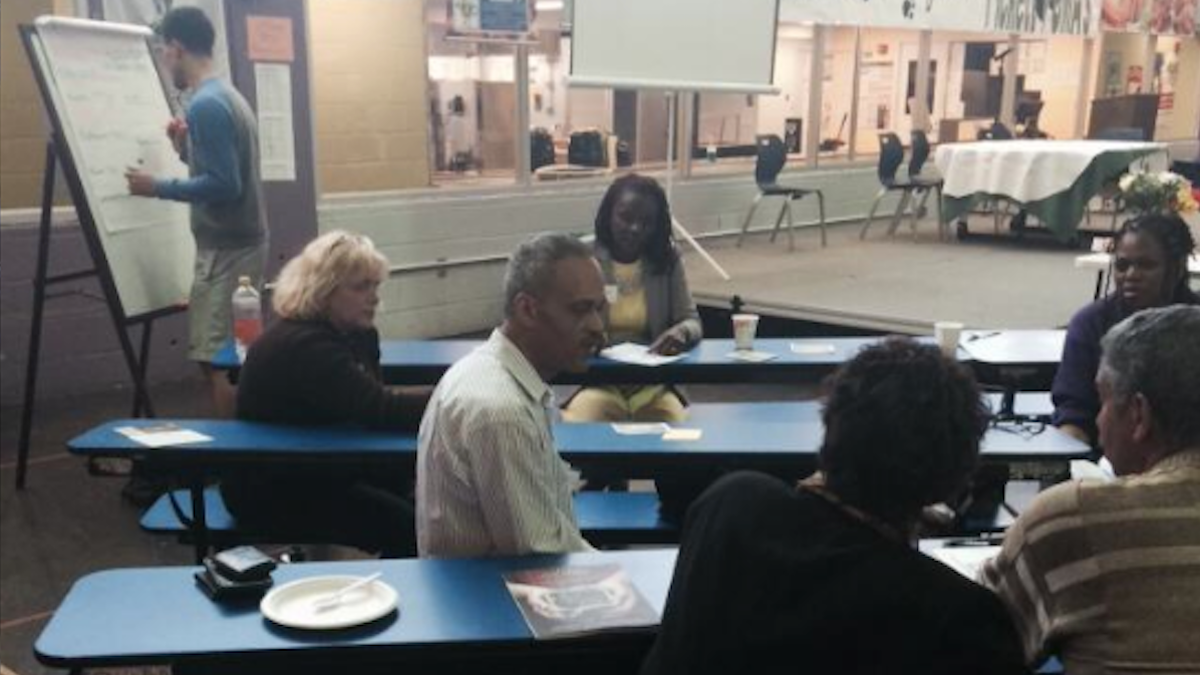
x=749, y=215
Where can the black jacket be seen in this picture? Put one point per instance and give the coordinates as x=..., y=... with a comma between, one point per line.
x=775, y=580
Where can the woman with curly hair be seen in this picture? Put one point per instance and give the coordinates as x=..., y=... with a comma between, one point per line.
x=1149, y=269
x=823, y=577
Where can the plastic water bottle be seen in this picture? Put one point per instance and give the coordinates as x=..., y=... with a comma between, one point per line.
x=247, y=317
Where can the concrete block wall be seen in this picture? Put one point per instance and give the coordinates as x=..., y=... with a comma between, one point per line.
x=22, y=130
x=368, y=78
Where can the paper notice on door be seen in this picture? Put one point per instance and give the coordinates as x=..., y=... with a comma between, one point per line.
x=276, y=130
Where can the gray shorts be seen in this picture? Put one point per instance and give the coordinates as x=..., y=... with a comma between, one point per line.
x=210, y=310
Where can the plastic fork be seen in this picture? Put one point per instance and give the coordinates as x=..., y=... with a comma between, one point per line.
x=335, y=598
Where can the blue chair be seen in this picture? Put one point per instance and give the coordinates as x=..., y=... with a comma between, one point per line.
x=769, y=162
x=925, y=183
x=891, y=157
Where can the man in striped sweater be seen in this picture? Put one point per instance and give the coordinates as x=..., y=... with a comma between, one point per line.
x=1107, y=575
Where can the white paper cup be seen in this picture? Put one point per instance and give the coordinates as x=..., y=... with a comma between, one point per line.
x=947, y=333
x=744, y=328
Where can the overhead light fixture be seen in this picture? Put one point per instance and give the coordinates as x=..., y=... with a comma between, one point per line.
x=548, y=5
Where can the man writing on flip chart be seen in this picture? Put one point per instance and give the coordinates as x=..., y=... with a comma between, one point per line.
x=218, y=139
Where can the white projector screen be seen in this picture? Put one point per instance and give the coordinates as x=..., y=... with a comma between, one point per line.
x=681, y=45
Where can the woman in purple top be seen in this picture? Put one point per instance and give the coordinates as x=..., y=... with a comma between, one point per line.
x=1149, y=270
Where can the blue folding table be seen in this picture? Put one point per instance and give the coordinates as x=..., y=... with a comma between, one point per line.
x=776, y=437
x=418, y=362
x=451, y=612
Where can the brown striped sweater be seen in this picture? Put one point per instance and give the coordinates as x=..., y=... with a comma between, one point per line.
x=1107, y=575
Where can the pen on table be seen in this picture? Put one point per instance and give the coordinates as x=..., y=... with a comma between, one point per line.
x=983, y=336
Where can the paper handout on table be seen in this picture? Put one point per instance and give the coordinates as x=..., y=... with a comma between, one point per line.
x=812, y=349
x=683, y=435
x=162, y=435
x=641, y=428
x=561, y=601
x=751, y=356
x=638, y=355
x=966, y=560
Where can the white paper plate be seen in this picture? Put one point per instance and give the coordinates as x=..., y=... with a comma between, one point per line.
x=293, y=604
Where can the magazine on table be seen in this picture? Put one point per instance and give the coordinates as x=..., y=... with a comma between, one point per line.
x=574, y=600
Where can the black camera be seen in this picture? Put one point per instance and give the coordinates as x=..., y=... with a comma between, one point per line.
x=240, y=572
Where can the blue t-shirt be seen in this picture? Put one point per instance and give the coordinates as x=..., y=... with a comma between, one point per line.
x=223, y=187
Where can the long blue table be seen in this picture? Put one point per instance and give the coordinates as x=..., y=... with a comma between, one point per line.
x=451, y=612
x=419, y=362
x=765, y=432
x=781, y=438
x=1031, y=404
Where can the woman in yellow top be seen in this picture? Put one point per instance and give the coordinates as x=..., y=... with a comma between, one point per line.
x=649, y=300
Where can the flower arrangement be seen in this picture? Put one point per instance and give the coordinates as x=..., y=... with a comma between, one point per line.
x=1161, y=192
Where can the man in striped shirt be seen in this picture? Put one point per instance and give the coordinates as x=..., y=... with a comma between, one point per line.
x=489, y=479
x=1107, y=575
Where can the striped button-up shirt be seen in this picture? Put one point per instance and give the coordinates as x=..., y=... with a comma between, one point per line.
x=489, y=479
x=1107, y=575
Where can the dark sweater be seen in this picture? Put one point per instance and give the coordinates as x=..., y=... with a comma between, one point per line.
x=1076, y=401
x=306, y=372
x=775, y=580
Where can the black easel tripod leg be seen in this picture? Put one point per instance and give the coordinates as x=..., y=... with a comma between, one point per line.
x=35, y=324
x=141, y=397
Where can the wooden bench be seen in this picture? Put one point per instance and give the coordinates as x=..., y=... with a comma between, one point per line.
x=605, y=518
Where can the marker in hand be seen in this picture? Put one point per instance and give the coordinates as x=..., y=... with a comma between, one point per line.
x=141, y=184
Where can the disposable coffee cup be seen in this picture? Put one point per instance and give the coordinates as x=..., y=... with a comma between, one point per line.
x=744, y=328
x=947, y=334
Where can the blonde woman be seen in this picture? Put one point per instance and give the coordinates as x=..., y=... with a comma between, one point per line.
x=318, y=364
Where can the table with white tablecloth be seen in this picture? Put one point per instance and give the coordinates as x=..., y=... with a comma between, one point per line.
x=1050, y=179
